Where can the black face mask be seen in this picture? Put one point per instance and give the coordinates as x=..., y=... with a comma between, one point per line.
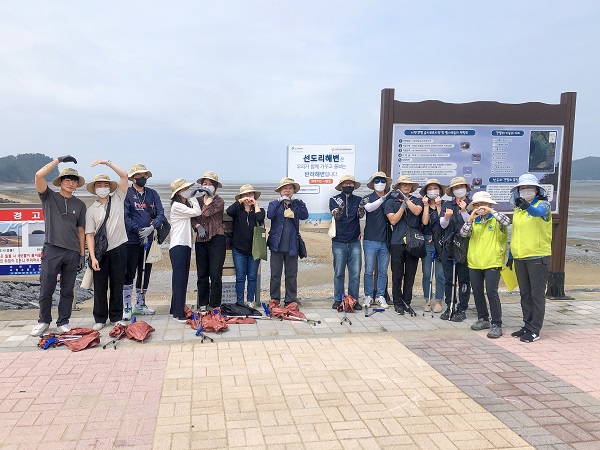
x=141, y=182
x=348, y=190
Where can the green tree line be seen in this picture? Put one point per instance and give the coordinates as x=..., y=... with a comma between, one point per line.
x=22, y=168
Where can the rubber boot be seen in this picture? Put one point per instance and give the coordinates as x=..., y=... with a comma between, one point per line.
x=140, y=303
x=127, y=294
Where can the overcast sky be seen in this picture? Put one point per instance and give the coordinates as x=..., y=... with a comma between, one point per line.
x=190, y=86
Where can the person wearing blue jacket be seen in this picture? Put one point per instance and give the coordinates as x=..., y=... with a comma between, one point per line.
x=143, y=214
x=285, y=214
x=347, y=209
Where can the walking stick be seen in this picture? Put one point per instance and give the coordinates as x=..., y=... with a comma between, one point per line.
x=454, y=289
x=431, y=283
x=345, y=318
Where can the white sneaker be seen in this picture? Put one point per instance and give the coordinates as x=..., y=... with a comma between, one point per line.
x=39, y=329
x=250, y=304
x=127, y=314
x=382, y=303
x=65, y=328
x=98, y=326
x=143, y=310
x=367, y=301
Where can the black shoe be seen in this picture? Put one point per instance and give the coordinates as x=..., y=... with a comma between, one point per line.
x=399, y=310
x=458, y=316
x=530, y=337
x=519, y=333
x=336, y=305
x=445, y=315
x=357, y=306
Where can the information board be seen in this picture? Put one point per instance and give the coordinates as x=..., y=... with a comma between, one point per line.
x=21, y=241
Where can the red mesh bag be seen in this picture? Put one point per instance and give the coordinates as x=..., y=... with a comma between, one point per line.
x=138, y=331
x=240, y=320
x=347, y=304
x=287, y=313
x=214, y=321
x=89, y=338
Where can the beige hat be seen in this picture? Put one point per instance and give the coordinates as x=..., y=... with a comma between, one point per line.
x=407, y=180
x=178, y=185
x=285, y=181
x=347, y=177
x=138, y=168
x=247, y=188
x=212, y=176
x=481, y=197
x=68, y=172
x=457, y=181
x=388, y=180
x=428, y=183
x=102, y=177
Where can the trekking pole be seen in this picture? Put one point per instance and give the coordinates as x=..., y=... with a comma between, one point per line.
x=114, y=341
x=199, y=331
x=431, y=283
x=408, y=308
x=345, y=318
x=454, y=290
x=375, y=310
x=301, y=319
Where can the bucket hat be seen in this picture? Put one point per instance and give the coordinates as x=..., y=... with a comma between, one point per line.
x=428, y=183
x=388, y=180
x=528, y=179
x=212, y=176
x=68, y=172
x=480, y=197
x=178, y=185
x=247, y=188
x=407, y=180
x=347, y=177
x=285, y=181
x=138, y=168
x=456, y=181
x=102, y=177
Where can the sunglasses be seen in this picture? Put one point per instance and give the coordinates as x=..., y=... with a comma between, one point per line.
x=379, y=180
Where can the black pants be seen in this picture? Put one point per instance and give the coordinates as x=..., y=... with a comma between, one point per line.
x=180, y=262
x=57, y=260
x=532, y=275
x=136, y=256
x=404, y=269
x=111, y=276
x=277, y=262
x=464, y=282
x=210, y=257
x=491, y=278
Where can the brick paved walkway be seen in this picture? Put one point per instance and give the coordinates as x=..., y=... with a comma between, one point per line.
x=386, y=381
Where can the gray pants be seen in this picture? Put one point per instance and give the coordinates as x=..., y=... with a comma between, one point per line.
x=57, y=260
x=491, y=278
x=278, y=259
x=532, y=275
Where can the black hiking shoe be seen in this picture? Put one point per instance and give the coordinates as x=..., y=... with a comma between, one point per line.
x=446, y=314
x=458, y=316
x=519, y=333
x=481, y=324
x=336, y=305
x=399, y=310
x=495, y=332
x=530, y=337
x=357, y=306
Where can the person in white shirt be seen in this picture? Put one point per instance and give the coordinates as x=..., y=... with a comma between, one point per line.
x=184, y=206
x=109, y=269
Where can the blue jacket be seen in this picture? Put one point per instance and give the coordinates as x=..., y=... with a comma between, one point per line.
x=347, y=228
x=275, y=212
x=136, y=214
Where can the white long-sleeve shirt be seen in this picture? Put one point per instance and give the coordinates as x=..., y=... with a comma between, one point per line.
x=181, y=223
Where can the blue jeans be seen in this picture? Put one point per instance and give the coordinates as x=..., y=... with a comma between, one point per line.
x=346, y=255
x=440, y=280
x=245, y=267
x=376, y=251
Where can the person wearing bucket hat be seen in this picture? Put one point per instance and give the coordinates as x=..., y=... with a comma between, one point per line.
x=64, y=242
x=285, y=215
x=530, y=247
x=432, y=193
x=210, y=246
x=144, y=213
x=375, y=242
x=109, y=271
x=403, y=210
x=454, y=216
x=345, y=246
x=487, y=230
x=245, y=213
x=184, y=206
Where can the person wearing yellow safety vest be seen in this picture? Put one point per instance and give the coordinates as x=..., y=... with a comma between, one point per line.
x=531, y=246
x=488, y=232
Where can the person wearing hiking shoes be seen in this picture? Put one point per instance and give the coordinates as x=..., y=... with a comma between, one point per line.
x=454, y=216
x=375, y=242
x=530, y=247
x=143, y=214
x=109, y=270
x=64, y=246
x=487, y=230
x=347, y=209
x=403, y=210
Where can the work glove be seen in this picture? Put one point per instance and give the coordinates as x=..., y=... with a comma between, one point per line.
x=283, y=198
x=145, y=232
x=201, y=231
x=394, y=194
x=363, y=202
x=66, y=158
x=339, y=202
x=198, y=192
x=509, y=263
x=521, y=203
x=402, y=196
x=81, y=263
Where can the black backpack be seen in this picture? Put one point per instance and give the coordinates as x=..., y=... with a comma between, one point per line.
x=234, y=310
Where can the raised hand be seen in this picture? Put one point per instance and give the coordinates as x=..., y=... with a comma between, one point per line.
x=66, y=158
x=522, y=203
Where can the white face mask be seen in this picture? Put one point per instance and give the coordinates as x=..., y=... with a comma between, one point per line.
x=460, y=192
x=210, y=190
x=527, y=194
x=186, y=194
x=379, y=187
x=102, y=192
x=434, y=193
x=480, y=212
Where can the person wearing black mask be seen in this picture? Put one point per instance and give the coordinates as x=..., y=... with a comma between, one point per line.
x=347, y=210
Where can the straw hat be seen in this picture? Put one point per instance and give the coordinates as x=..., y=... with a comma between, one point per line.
x=480, y=197
x=285, y=181
x=456, y=181
x=428, y=183
x=347, y=178
x=102, y=177
x=139, y=168
x=68, y=172
x=178, y=185
x=528, y=179
x=212, y=176
x=388, y=180
x=247, y=188
x=408, y=180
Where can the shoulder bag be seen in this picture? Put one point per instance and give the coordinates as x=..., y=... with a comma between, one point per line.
x=100, y=238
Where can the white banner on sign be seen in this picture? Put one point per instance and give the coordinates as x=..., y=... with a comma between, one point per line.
x=318, y=169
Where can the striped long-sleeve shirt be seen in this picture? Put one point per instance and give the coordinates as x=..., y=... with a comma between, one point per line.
x=502, y=219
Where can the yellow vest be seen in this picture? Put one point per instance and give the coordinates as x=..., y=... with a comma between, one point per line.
x=531, y=236
x=487, y=245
